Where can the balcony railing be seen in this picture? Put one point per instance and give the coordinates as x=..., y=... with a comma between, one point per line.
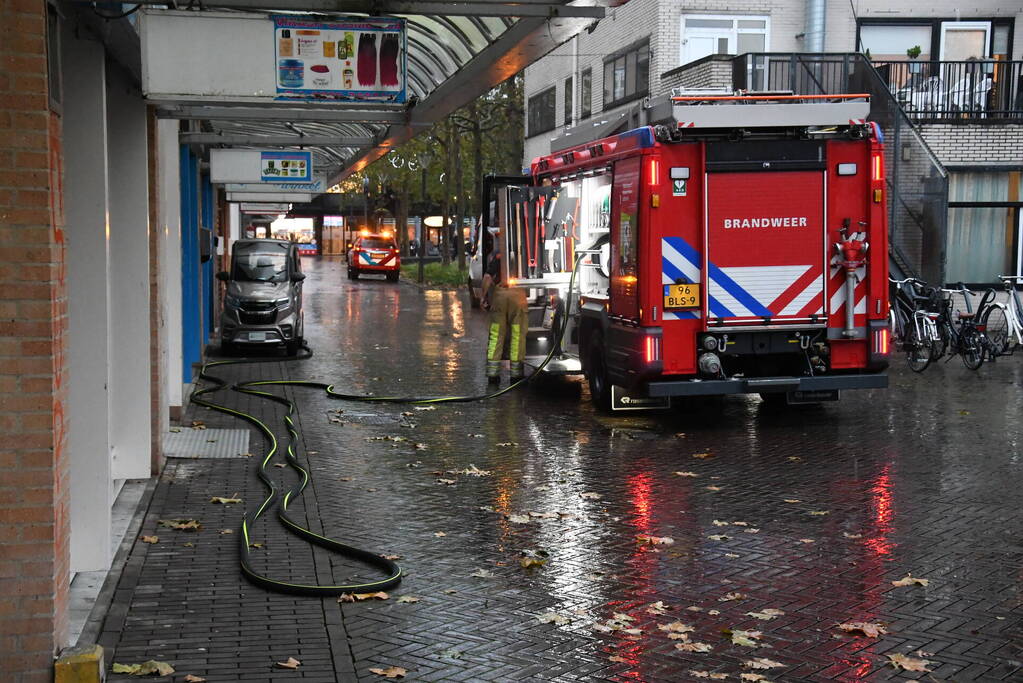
x=975, y=90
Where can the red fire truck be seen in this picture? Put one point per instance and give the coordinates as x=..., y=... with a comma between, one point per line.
x=738, y=245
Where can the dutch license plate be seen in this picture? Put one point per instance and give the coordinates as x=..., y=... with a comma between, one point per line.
x=681, y=296
x=257, y=336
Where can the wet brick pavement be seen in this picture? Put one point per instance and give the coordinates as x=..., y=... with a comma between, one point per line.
x=924, y=478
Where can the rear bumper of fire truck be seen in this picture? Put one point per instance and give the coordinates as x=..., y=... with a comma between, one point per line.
x=766, y=385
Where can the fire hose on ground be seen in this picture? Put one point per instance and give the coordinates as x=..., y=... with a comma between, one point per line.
x=391, y=571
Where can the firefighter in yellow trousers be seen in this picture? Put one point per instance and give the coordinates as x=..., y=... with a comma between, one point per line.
x=509, y=322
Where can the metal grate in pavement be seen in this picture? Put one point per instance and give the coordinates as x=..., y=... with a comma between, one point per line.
x=206, y=443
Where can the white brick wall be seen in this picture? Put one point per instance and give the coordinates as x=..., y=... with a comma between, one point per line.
x=662, y=21
x=975, y=143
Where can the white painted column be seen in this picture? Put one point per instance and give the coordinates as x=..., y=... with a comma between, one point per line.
x=235, y=224
x=169, y=179
x=128, y=176
x=87, y=233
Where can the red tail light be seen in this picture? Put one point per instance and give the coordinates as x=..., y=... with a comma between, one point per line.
x=653, y=168
x=652, y=349
x=877, y=167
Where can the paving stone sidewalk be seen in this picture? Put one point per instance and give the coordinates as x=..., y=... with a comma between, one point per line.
x=812, y=513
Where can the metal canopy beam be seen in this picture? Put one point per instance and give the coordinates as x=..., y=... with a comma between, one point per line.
x=276, y=140
x=474, y=8
x=277, y=113
x=523, y=43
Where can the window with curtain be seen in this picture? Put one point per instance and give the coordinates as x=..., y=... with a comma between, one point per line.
x=627, y=74
x=983, y=226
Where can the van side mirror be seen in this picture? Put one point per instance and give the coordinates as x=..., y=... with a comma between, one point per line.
x=297, y=277
x=223, y=276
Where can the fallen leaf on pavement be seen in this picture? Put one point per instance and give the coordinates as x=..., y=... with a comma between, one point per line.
x=676, y=627
x=694, y=608
x=657, y=608
x=408, y=598
x=864, y=628
x=189, y=545
x=761, y=663
x=846, y=534
x=719, y=537
x=224, y=501
x=616, y=658
x=655, y=540
x=712, y=488
x=807, y=540
x=379, y=595
x=544, y=515
x=144, y=669
x=751, y=530
x=447, y=482
x=740, y=523
x=765, y=615
x=439, y=534
x=732, y=596
x=619, y=622
x=591, y=495
x=391, y=557
x=390, y=672
x=150, y=539
x=194, y=679
x=909, y=580
x=744, y=638
x=718, y=522
x=483, y=574
x=713, y=612
x=506, y=444
x=473, y=471
x=818, y=513
x=424, y=408
x=255, y=545
x=181, y=524
x=701, y=456
x=530, y=562
x=226, y=531
x=731, y=556
x=198, y=424
x=552, y=618
x=279, y=464
x=793, y=458
x=901, y=661
x=793, y=500
x=694, y=647
x=686, y=474
x=518, y=519
x=697, y=673
x=753, y=677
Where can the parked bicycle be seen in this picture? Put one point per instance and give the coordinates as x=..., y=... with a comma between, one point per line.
x=914, y=322
x=1003, y=323
x=961, y=331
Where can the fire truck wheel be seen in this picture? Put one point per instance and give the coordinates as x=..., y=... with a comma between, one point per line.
x=392, y=276
x=596, y=375
x=353, y=274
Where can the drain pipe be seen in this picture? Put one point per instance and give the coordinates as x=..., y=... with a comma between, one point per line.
x=813, y=33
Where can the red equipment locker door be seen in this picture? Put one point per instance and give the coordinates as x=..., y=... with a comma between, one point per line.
x=766, y=251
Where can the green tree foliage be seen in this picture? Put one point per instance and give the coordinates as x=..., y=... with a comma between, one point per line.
x=441, y=169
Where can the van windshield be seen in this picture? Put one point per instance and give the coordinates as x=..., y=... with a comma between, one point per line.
x=376, y=243
x=260, y=262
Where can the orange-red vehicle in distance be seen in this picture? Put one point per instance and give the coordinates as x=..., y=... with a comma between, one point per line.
x=374, y=253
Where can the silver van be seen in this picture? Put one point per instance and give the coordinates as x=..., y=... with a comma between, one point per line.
x=263, y=303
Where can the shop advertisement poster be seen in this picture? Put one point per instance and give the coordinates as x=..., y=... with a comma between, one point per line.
x=286, y=167
x=358, y=59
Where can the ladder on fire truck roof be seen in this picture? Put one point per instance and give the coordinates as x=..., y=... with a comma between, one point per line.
x=722, y=109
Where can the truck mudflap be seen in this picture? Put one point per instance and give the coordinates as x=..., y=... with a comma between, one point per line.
x=757, y=385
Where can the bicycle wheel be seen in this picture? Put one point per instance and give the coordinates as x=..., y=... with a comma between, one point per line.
x=940, y=346
x=971, y=345
x=996, y=329
x=918, y=353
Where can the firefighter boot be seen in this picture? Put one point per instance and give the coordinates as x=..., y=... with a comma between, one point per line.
x=517, y=372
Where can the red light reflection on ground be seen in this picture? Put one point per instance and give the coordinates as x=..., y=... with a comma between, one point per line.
x=883, y=512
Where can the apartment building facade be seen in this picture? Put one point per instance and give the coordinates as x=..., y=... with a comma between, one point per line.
x=955, y=69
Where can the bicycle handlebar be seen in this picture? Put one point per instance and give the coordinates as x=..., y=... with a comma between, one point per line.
x=1009, y=278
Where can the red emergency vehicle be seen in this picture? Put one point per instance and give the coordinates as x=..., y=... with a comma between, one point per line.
x=739, y=245
x=374, y=253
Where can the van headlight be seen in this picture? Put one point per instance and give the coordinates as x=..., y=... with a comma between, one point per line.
x=281, y=303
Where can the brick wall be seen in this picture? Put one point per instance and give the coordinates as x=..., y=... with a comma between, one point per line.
x=34, y=559
x=974, y=143
x=714, y=71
